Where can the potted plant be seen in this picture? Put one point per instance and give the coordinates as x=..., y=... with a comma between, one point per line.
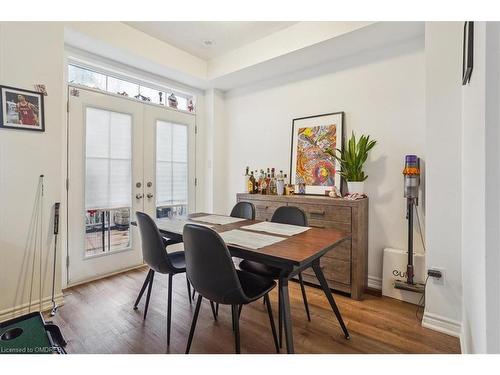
x=351, y=160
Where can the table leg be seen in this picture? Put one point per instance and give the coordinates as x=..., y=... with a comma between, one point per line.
x=287, y=318
x=328, y=293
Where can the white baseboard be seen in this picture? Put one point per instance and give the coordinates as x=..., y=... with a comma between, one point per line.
x=442, y=324
x=24, y=308
x=374, y=282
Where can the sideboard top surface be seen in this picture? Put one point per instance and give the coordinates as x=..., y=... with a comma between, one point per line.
x=318, y=199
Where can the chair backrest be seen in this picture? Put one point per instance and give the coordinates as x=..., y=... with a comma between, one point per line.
x=209, y=266
x=153, y=249
x=290, y=215
x=244, y=210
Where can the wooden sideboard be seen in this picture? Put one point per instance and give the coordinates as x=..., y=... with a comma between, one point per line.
x=346, y=266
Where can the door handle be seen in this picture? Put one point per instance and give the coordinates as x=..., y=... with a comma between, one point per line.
x=149, y=195
x=139, y=196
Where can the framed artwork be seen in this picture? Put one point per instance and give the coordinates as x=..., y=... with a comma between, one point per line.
x=468, y=52
x=311, y=167
x=21, y=109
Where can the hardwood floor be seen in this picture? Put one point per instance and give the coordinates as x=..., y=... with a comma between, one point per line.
x=98, y=318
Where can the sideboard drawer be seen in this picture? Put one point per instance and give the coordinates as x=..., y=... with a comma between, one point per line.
x=326, y=212
x=334, y=270
x=265, y=209
x=341, y=251
x=346, y=227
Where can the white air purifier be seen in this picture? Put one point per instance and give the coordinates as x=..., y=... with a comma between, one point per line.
x=394, y=268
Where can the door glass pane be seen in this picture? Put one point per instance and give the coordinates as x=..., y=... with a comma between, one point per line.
x=171, y=169
x=108, y=180
x=86, y=77
x=119, y=86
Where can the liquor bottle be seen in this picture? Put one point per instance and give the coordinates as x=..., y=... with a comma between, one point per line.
x=246, y=179
x=268, y=183
x=255, y=183
x=272, y=183
x=261, y=182
x=280, y=184
x=251, y=184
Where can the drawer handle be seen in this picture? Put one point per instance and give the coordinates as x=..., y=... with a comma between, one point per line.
x=263, y=207
x=322, y=213
x=318, y=226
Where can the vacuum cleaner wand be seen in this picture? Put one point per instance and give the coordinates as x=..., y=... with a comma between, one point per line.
x=56, y=233
x=411, y=174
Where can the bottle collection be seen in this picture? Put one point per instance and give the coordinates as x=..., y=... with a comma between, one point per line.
x=270, y=183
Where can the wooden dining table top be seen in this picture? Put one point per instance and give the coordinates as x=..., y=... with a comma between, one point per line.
x=297, y=250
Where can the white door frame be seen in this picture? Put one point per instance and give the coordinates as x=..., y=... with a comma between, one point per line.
x=192, y=159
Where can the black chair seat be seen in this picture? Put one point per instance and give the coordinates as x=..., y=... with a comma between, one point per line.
x=178, y=260
x=260, y=269
x=255, y=286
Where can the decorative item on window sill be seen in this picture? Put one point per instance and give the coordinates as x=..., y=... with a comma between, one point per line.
x=172, y=101
x=142, y=97
x=190, y=105
x=123, y=93
x=160, y=95
x=41, y=88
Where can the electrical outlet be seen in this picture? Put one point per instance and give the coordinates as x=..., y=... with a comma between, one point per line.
x=437, y=275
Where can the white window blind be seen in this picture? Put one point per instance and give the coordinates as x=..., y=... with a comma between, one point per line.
x=108, y=180
x=171, y=164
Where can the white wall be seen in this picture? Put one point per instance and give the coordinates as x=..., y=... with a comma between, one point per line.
x=25, y=155
x=481, y=177
x=382, y=94
x=443, y=50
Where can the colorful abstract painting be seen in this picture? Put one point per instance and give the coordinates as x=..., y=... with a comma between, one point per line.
x=311, y=164
x=315, y=167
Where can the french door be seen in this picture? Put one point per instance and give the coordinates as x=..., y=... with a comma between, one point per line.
x=123, y=156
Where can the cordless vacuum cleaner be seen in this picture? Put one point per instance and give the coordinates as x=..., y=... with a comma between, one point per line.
x=411, y=183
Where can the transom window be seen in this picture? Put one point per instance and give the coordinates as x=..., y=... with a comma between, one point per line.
x=104, y=82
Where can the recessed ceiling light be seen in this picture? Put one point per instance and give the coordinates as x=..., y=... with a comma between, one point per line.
x=208, y=43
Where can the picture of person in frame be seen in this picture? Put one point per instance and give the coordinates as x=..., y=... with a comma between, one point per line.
x=27, y=112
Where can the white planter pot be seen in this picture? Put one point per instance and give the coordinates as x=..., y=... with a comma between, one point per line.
x=356, y=187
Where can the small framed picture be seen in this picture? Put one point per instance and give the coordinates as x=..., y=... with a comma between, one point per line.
x=21, y=109
x=313, y=169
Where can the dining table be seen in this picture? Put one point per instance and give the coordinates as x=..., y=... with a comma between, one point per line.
x=292, y=255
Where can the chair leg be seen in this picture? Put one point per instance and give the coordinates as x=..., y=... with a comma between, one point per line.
x=271, y=320
x=217, y=309
x=304, y=296
x=280, y=315
x=193, y=324
x=214, y=313
x=236, y=329
x=239, y=311
x=193, y=294
x=149, y=293
x=189, y=288
x=143, y=288
x=232, y=315
x=169, y=306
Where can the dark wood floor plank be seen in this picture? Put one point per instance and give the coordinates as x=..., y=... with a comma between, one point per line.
x=98, y=318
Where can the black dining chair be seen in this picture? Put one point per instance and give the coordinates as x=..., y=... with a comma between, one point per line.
x=156, y=257
x=243, y=210
x=212, y=273
x=283, y=215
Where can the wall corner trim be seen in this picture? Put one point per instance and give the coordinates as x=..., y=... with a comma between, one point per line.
x=374, y=282
x=442, y=324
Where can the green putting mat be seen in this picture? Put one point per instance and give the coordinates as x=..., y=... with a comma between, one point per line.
x=33, y=339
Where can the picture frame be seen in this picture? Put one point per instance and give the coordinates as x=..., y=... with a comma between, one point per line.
x=21, y=109
x=310, y=165
x=468, y=52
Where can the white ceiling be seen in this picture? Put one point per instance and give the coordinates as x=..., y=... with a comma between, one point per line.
x=226, y=36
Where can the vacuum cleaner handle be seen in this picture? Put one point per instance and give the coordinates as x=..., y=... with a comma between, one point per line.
x=56, y=217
